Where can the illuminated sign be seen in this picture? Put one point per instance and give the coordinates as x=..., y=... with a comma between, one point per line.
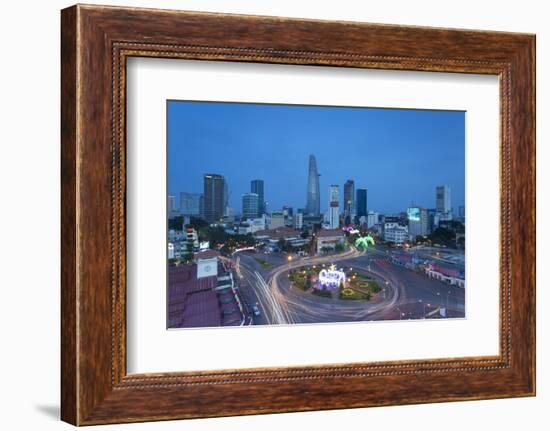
x=413, y=214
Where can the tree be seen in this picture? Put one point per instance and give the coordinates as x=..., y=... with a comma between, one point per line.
x=197, y=223
x=443, y=236
x=175, y=223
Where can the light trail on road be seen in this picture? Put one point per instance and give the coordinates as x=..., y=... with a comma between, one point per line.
x=279, y=307
x=284, y=304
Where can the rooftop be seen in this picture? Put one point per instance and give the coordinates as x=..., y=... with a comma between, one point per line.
x=277, y=233
x=330, y=233
x=207, y=254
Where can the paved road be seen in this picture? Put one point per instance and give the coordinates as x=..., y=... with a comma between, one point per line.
x=406, y=294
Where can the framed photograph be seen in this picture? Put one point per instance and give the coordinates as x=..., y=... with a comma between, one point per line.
x=266, y=215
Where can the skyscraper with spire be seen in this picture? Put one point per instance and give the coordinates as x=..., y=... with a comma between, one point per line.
x=313, y=203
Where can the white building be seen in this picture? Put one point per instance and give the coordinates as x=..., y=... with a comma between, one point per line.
x=333, y=207
x=277, y=220
x=397, y=234
x=256, y=224
x=372, y=219
x=298, y=221
x=243, y=229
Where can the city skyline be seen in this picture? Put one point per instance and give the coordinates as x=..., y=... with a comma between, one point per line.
x=285, y=174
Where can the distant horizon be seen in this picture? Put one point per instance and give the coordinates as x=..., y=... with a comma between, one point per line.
x=399, y=155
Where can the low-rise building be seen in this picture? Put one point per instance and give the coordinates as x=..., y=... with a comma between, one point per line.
x=272, y=237
x=397, y=234
x=329, y=239
x=276, y=220
x=452, y=275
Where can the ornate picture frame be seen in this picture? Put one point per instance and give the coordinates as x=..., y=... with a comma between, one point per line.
x=96, y=41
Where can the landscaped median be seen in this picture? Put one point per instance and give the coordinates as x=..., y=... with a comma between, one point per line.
x=353, y=294
x=302, y=277
x=359, y=287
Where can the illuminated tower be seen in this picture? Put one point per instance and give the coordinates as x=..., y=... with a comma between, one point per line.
x=313, y=205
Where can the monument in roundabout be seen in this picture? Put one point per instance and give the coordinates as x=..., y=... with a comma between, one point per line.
x=331, y=278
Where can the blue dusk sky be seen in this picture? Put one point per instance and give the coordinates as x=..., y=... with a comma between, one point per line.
x=399, y=155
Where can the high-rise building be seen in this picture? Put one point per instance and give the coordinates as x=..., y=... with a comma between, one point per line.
x=334, y=207
x=298, y=220
x=250, y=206
x=443, y=199
x=190, y=204
x=225, y=196
x=349, y=200
x=313, y=203
x=418, y=221
x=171, y=204
x=361, y=203
x=214, y=197
x=257, y=186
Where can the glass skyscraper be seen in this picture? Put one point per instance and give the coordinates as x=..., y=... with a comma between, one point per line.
x=214, y=197
x=361, y=202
